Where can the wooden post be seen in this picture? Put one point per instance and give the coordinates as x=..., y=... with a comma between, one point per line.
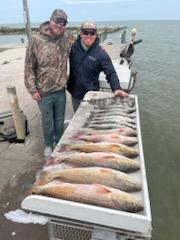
x=16, y=113
x=27, y=20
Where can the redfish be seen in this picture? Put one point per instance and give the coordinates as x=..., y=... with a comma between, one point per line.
x=120, y=119
x=98, y=159
x=91, y=194
x=101, y=147
x=113, y=101
x=111, y=111
x=114, y=114
x=109, y=125
x=105, y=176
x=129, y=141
x=123, y=131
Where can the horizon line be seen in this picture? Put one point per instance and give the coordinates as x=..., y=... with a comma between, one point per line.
x=123, y=20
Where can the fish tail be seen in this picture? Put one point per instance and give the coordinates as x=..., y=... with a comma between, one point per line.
x=63, y=148
x=66, y=147
x=41, y=177
x=75, y=136
x=50, y=161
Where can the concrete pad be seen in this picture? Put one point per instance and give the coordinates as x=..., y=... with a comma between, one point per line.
x=15, y=169
x=32, y=149
x=3, y=146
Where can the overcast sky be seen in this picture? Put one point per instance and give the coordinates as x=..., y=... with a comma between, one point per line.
x=11, y=11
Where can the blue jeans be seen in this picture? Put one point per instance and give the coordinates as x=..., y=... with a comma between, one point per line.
x=75, y=102
x=52, y=108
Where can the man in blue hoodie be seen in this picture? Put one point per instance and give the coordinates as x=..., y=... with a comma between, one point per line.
x=87, y=60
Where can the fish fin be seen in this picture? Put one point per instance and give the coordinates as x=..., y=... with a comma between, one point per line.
x=102, y=188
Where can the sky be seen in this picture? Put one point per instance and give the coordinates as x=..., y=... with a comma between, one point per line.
x=11, y=11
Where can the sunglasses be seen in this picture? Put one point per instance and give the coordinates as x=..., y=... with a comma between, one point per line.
x=88, y=32
x=60, y=21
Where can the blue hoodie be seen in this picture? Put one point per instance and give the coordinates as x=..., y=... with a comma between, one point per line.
x=85, y=67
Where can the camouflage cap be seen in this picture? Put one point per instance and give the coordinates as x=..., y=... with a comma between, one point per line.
x=89, y=25
x=59, y=13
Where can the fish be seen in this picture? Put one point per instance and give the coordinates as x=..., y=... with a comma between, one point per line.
x=114, y=114
x=106, y=176
x=95, y=138
x=113, y=101
x=120, y=110
x=94, y=194
x=51, y=165
x=98, y=159
x=116, y=118
x=105, y=126
x=100, y=147
x=108, y=123
x=119, y=131
x=112, y=108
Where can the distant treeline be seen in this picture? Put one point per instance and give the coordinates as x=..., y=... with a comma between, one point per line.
x=7, y=30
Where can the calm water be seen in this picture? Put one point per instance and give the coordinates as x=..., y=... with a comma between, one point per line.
x=158, y=89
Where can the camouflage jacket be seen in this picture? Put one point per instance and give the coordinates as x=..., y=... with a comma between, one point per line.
x=46, y=61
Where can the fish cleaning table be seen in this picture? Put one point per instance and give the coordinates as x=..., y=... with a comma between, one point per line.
x=73, y=220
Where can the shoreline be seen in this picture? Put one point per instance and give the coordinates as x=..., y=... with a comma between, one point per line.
x=18, y=31
x=5, y=47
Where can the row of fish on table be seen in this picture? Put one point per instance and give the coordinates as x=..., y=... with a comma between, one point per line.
x=92, y=166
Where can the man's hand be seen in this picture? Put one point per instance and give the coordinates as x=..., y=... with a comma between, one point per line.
x=120, y=93
x=36, y=96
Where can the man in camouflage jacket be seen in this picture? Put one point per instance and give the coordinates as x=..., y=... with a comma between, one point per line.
x=46, y=74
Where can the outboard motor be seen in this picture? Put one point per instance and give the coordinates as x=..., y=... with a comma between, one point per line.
x=127, y=74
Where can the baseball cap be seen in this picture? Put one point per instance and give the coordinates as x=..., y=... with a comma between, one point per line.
x=89, y=25
x=59, y=13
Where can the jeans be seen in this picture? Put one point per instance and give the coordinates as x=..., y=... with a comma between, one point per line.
x=52, y=108
x=75, y=102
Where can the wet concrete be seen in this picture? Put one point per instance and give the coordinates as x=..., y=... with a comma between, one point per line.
x=11, y=197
